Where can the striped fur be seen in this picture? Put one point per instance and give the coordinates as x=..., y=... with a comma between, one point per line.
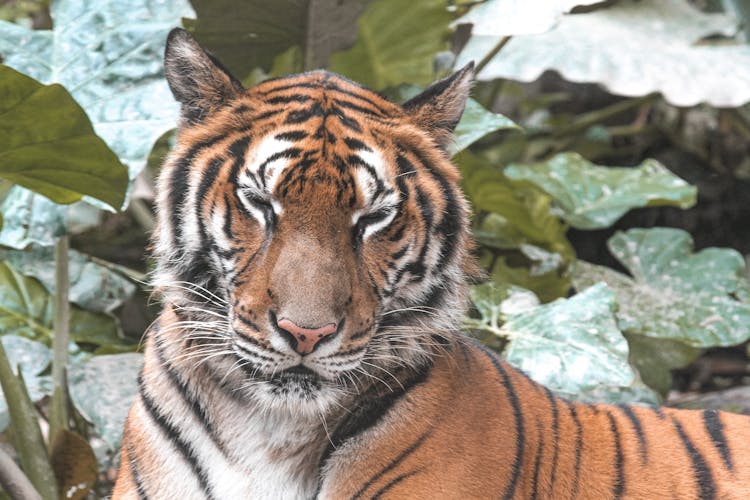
x=309, y=200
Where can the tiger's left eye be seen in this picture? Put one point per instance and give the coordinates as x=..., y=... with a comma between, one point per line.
x=371, y=223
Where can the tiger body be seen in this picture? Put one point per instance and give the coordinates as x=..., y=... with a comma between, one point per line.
x=313, y=255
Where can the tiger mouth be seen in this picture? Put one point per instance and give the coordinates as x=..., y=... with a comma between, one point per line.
x=298, y=377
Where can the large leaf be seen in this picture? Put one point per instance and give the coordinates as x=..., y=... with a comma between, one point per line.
x=92, y=286
x=476, y=122
x=47, y=144
x=32, y=358
x=103, y=389
x=74, y=464
x=674, y=293
x=571, y=345
x=588, y=196
x=517, y=17
x=109, y=58
x=30, y=218
x=397, y=43
x=633, y=48
x=26, y=309
x=254, y=32
x=524, y=211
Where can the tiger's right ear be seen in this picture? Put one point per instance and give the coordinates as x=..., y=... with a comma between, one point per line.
x=197, y=80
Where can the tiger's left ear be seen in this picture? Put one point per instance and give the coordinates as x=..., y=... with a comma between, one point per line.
x=439, y=108
x=197, y=80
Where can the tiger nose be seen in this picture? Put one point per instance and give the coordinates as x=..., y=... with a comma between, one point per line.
x=302, y=339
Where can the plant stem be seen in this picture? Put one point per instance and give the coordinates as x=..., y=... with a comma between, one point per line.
x=14, y=481
x=584, y=121
x=27, y=436
x=59, y=417
x=492, y=53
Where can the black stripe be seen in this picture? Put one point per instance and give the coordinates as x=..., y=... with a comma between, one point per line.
x=356, y=144
x=207, y=181
x=287, y=153
x=393, y=482
x=331, y=86
x=303, y=115
x=715, y=428
x=179, y=182
x=282, y=88
x=357, y=108
x=294, y=135
x=193, y=402
x=370, y=409
x=638, y=428
x=578, y=448
x=285, y=99
x=703, y=476
x=510, y=490
x=349, y=122
x=537, y=461
x=133, y=463
x=237, y=151
x=555, y=435
x=394, y=463
x=228, y=219
x=174, y=436
x=619, y=485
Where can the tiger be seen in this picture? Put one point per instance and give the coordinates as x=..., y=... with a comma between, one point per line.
x=313, y=255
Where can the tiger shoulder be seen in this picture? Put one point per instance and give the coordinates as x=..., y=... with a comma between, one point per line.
x=313, y=256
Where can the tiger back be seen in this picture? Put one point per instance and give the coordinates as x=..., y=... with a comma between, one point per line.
x=313, y=255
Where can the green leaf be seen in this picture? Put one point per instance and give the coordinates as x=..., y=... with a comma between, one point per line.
x=513, y=17
x=103, y=389
x=674, y=293
x=626, y=46
x=109, y=58
x=655, y=358
x=48, y=145
x=397, y=43
x=588, y=196
x=27, y=435
x=477, y=122
x=30, y=218
x=571, y=345
x=525, y=211
x=26, y=310
x=32, y=358
x=92, y=286
x=244, y=35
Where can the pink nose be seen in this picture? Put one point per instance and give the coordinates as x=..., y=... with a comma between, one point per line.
x=304, y=339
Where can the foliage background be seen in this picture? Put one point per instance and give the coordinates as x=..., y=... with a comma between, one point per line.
x=605, y=152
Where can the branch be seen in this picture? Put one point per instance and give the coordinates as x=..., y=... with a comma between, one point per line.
x=14, y=481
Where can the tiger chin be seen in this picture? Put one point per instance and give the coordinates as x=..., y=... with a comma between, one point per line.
x=313, y=255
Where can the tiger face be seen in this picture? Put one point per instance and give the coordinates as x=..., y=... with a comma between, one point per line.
x=311, y=234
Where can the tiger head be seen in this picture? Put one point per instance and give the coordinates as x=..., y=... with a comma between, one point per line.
x=310, y=227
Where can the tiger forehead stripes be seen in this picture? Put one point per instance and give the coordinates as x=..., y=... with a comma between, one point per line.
x=313, y=255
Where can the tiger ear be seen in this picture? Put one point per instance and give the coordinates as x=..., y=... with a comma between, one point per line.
x=197, y=80
x=439, y=107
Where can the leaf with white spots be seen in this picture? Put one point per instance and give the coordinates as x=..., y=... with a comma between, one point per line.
x=673, y=293
x=33, y=358
x=571, y=345
x=103, y=389
x=589, y=196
